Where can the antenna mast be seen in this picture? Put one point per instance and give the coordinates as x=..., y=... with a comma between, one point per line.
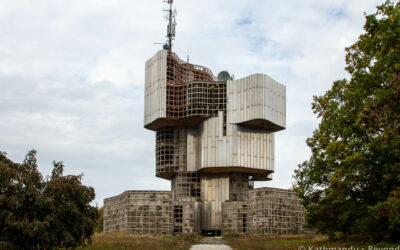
x=171, y=25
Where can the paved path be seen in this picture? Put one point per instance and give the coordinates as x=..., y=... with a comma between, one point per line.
x=211, y=243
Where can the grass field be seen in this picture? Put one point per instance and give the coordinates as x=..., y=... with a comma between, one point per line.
x=121, y=241
x=300, y=242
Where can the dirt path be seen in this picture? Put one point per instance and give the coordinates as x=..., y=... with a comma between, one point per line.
x=211, y=243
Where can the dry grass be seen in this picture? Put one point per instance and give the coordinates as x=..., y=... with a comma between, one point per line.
x=121, y=241
x=294, y=242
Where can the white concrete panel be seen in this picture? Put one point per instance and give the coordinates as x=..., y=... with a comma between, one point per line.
x=243, y=146
x=257, y=97
x=155, y=87
x=214, y=191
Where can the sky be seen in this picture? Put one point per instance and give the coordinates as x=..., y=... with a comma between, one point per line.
x=72, y=75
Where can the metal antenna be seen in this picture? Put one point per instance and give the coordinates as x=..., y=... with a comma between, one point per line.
x=171, y=25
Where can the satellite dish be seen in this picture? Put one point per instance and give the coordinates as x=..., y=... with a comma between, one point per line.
x=223, y=76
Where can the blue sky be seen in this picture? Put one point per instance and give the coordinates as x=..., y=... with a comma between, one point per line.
x=72, y=75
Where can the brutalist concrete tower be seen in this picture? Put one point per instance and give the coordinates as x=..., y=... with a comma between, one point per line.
x=214, y=138
x=214, y=135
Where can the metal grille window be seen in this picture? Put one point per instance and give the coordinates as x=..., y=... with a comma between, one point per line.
x=177, y=229
x=170, y=151
x=186, y=185
x=192, y=90
x=178, y=212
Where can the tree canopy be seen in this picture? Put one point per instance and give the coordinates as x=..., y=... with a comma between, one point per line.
x=37, y=212
x=351, y=183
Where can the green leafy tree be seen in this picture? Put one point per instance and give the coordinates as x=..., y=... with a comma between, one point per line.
x=351, y=183
x=43, y=213
x=20, y=202
x=99, y=223
x=72, y=219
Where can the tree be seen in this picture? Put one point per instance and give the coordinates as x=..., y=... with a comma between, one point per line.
x=43, y=213
x=20, y=202
x=351, y=183
x=71, y=218
x=100, y=220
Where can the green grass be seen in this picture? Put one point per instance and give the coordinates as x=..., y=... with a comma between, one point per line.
x=296, y=242
x=121, y=241
x=124, y=241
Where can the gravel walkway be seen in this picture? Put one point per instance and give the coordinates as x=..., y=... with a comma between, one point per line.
x=211, y=243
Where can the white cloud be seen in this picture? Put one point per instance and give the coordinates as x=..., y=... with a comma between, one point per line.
x=72, y=75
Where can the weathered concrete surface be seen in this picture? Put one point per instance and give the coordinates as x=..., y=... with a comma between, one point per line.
x=211, y=243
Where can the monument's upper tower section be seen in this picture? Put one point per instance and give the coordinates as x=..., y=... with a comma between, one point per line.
x=208, y=124
x=172, y=90
x=180, y=93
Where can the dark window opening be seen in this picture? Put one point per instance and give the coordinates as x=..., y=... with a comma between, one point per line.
x=244, y=219
x=195, y=192
x=224, y=123
x=178, y=211
x=211, y=233
x=177, y=229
